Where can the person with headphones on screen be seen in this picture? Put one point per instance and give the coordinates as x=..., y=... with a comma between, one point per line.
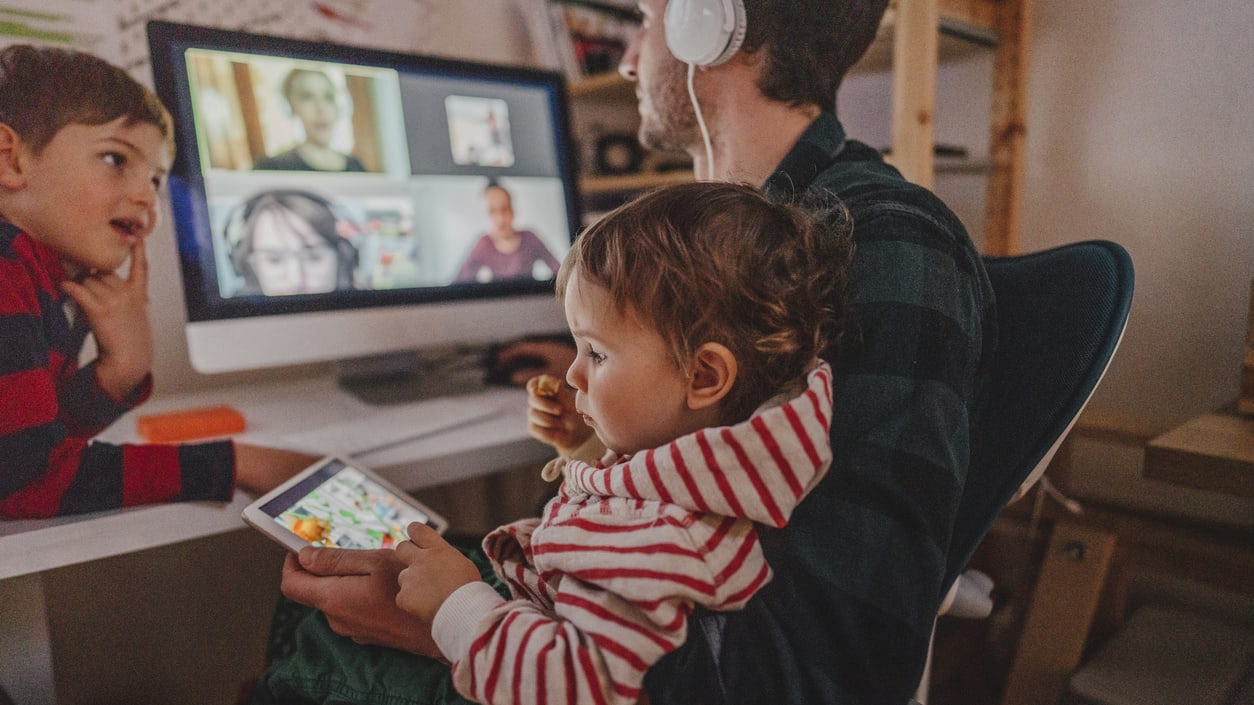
x=748, y=88
x=288, y=241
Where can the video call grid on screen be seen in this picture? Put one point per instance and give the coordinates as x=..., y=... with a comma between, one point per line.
x=425, y=144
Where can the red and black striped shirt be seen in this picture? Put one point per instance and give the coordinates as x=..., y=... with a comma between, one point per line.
x=50, y=409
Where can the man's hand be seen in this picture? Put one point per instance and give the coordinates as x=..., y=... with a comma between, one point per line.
x=356, y=590
x=117, y=311
x=435, y=571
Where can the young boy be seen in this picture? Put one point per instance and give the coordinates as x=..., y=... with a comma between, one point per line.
x=84, y=150
x=697, y=311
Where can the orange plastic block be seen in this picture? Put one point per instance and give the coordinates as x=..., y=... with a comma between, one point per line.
x=176, y=426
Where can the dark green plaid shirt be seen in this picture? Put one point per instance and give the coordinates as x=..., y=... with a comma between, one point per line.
x=858, y=570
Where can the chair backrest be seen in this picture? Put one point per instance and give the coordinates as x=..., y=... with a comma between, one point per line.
x=1060, y=316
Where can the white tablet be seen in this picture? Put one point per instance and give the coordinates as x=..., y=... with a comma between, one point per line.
x=335, y=502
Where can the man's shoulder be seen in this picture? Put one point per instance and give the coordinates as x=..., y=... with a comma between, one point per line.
x=860, y=177
x=895, y=222
x=881, y=201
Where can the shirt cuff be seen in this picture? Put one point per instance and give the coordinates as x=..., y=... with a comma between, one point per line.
x=207, y=471
x=456, y=623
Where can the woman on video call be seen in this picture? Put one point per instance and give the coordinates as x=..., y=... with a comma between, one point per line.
x=504, y=252
x=314, y=102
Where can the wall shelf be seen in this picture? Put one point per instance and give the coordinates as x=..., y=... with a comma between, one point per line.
x=915, y=37
x=632, y=182
x=609, y=85
x=958, y=39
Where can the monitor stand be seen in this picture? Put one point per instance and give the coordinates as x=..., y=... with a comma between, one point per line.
x=397, y=378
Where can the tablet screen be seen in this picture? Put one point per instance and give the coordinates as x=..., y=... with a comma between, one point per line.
x=340, y=506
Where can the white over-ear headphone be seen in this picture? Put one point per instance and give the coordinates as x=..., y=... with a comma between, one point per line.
x=704, y=32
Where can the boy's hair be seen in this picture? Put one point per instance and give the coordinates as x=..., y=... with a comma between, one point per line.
x=44, y=89
x=719, y=262
x=810, y=45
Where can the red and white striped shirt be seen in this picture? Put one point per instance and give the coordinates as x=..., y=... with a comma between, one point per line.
x=605, y=580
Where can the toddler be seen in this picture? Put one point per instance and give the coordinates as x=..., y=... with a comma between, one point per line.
x=698, y=312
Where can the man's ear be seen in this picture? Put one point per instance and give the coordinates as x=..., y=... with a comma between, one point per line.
x=714, y=371
x=12, y=175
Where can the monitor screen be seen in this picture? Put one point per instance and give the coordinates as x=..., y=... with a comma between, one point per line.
x=336, y=202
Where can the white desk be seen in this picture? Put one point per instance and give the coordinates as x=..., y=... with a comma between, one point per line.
x=28, y=547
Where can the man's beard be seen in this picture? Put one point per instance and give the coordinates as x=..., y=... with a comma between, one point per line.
x=671, y=124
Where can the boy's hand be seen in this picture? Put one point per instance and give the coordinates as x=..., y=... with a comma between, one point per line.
x=261, y=469
x=434, y=571
x=117, y=311
x=551, y=417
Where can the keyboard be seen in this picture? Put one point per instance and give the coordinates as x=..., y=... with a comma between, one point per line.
x=396, y=424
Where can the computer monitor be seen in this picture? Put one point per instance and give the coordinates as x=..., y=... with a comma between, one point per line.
x=338, y=203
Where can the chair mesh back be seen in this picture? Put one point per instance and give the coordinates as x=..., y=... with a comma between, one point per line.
x=1060, y=314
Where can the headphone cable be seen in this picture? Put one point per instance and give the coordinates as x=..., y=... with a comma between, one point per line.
x=705, y=133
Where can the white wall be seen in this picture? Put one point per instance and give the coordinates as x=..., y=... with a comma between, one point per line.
x=1139, y=131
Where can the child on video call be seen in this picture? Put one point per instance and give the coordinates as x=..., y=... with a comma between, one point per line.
x=84, y=150
x=314, y=101
x=288, y=241
x=696, y=312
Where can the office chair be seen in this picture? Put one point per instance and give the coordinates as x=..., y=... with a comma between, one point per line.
x=1060, y=316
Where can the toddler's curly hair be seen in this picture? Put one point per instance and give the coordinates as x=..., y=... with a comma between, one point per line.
x=720, y=262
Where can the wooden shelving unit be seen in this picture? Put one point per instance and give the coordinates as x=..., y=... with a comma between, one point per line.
x=916, y=36
x=609, y=85
x=611, y=89
x=632, y=182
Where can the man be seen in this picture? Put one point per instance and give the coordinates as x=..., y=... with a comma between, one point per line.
x=859, y=568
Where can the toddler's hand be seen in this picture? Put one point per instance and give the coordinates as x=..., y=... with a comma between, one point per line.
x=551, y=416
x=434, y=571
x=117, y=311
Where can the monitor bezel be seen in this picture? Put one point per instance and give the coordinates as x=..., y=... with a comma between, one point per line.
x=168, y=42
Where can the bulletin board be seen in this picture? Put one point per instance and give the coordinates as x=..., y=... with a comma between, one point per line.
x=115, y=29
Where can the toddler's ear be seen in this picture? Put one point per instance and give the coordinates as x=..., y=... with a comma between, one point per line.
x=11, y=176
x=714, y=372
